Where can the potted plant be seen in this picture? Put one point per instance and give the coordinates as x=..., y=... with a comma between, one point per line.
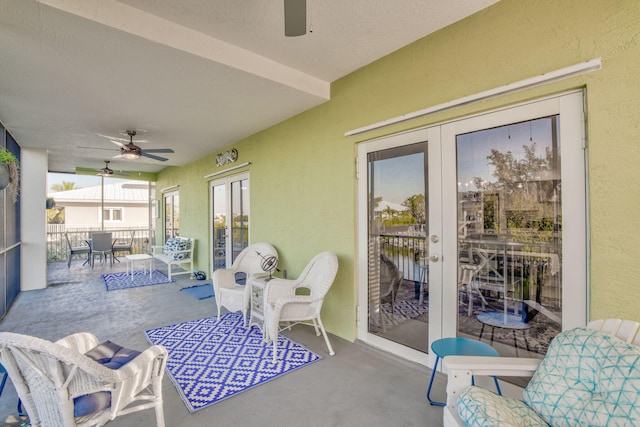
x=9, y=173
x=50, y=203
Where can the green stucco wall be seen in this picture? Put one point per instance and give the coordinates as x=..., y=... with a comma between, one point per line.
x=303, y=169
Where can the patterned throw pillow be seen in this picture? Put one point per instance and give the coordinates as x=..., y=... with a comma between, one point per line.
x=587, y=378
x=479, y=407
x=170, y=245
x=181, y=245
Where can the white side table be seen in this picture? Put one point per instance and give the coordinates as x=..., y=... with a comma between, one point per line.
x=132, y=259
x=256, y=316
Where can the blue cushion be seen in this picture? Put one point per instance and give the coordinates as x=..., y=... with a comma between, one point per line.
x=587, y=378
x=241, y=278
x=91, y=403
x=112, y=356
x=479, y=407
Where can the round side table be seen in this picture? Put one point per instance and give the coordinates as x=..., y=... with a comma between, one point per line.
x=504, y=321
x=459, y=347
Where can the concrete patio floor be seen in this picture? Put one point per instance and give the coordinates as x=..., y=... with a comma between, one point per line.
x=359, y=386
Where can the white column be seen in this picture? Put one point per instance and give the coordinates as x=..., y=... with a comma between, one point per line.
x=33, y=219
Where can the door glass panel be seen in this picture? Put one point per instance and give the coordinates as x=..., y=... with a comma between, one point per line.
x=240, y=215
x=171, y=215
x=509, y=235
x=219, y=195
x=397, y=227
x=230, y=219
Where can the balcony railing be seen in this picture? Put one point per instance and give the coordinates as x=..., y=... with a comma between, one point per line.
x=408, y=253
x=57, y=249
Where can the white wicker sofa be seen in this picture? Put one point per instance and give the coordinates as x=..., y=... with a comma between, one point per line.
x=176, y=251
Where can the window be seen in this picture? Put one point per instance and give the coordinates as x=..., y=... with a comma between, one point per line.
x=112, y=214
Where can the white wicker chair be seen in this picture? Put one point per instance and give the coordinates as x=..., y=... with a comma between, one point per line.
x=461, y=369
x=283, y=305
x=227, y=292
x=48, y=377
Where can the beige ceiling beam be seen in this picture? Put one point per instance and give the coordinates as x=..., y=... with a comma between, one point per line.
x=134, y=21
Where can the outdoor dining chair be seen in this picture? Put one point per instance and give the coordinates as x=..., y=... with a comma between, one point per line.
x=102, y=245
x=76, y=250
x=124, y=246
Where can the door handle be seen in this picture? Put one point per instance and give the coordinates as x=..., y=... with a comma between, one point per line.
x=434, y=258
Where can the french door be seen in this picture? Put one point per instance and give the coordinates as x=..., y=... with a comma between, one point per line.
x=475, y=228
x=171, y=214
x=229, y=219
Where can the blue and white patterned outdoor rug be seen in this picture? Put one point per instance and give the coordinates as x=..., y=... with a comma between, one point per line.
x=122, y=280
x=210, y=362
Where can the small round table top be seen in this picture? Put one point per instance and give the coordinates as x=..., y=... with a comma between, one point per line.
x=462, y=347
x=502, y=320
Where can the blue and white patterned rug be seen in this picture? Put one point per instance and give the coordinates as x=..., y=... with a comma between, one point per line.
x=210, y=362
x=122, y=280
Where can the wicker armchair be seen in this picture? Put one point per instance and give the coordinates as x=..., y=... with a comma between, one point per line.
x=282, y=304
x=228, y=292
x=52, y=378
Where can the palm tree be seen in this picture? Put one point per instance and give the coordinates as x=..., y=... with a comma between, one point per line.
x=65, y=186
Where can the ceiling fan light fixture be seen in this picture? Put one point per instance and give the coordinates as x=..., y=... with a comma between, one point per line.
x=131, y=155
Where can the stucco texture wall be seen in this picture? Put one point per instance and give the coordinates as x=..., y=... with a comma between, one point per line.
x=303, y=171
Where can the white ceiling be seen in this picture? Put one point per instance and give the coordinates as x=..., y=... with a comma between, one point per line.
x=191, y=75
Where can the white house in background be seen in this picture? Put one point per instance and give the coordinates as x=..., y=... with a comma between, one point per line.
x=126, y=205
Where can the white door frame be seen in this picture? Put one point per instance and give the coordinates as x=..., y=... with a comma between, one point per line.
x=443, y=198
x=226, y=181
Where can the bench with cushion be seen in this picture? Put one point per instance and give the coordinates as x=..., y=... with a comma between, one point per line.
x=175, y=252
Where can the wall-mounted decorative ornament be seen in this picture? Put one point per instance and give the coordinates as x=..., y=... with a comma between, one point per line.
x=227, y=157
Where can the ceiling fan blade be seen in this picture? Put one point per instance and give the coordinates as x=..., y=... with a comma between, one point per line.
x=119, y=144
x=151, y=156
x=295, y=17
x=158, y=150
x=96, y=148
x=110, y=174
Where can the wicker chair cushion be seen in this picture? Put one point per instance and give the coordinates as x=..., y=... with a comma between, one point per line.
x=241, y=278
x=112, y=356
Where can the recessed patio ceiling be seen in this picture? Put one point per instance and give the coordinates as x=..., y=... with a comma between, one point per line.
x=193, y=75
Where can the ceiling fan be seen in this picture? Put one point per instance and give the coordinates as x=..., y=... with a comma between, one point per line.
x=131, y=151
x=107, y=172
x=295, y=17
